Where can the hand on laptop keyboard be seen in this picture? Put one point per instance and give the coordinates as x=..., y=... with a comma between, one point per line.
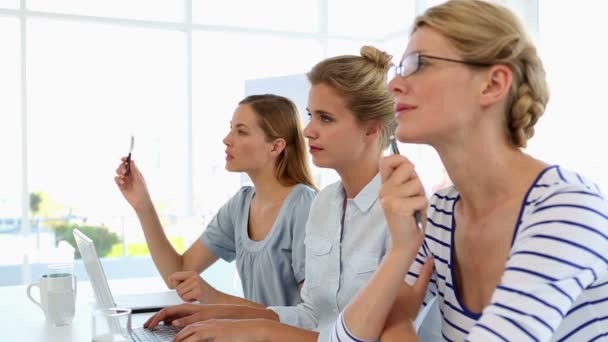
x=160, y=333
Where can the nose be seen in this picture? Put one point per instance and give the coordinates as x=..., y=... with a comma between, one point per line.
x=309, y=131
x=227, y=140
x=398, y=85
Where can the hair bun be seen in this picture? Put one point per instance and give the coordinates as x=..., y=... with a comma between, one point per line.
x=378, y=57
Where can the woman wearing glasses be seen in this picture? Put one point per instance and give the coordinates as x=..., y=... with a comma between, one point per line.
x=519, y=246
x=262, y=227
x=351, y=118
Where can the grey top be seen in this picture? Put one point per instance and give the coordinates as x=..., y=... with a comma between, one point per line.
x=271, y=269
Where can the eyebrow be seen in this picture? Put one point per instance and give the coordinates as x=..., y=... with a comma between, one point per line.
x=320, y=111
x=240, y=125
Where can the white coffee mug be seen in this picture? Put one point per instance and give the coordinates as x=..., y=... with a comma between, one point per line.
x=57, y=297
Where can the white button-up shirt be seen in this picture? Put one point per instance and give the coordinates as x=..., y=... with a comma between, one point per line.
x=339, y=261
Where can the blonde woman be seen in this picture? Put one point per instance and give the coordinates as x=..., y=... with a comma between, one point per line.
x=520, y=247
x=351, y=119
x=262, y=227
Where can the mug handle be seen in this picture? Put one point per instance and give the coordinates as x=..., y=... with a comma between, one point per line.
x=29, y=288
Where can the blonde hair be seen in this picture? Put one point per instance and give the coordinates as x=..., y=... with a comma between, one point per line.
x=361, y=80
x=491, y=34
x=279, y=118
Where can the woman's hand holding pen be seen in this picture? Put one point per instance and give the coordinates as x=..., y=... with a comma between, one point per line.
x=401, y=195
x=132, y=185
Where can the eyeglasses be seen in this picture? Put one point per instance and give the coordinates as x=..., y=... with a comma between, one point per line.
x=413, y=62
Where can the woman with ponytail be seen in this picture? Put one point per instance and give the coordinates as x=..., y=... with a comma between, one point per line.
x=351, y=119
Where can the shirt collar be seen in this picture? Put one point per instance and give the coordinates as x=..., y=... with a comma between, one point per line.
x=367, y=196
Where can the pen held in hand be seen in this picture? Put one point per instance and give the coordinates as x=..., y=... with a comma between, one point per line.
x=128, y=160
x=395, y=150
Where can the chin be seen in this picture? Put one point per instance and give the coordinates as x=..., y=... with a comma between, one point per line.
x=407, y=137
x=231, y=168
x=318, y=162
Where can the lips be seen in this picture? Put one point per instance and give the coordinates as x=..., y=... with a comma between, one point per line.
x=229, y=156
x=314, y=149
x=404, y=107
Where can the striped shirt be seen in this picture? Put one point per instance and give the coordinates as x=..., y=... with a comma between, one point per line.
x=555, y=284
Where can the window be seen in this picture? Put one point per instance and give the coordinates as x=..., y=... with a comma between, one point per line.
x=161, y=10
x=9, y=3
x=90, y=87
x=99, y=71
x=359, y=19
x=219, y=77
x=289, y=16
x=10, y=142
x=572, y=127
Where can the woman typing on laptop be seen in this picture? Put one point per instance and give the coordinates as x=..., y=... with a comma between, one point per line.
x=257, y=225
x=351, y=118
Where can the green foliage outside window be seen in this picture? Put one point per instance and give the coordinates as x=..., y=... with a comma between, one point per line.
x=101, y=236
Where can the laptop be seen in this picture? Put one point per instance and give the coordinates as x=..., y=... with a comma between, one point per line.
x=138, y=303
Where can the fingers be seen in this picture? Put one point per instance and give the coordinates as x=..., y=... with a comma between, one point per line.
x=399, y=214
x=119, y=181
x=187, y=290
x=167, y=315
x=195, y=332
x=183, y=286
x=188, y=285
x=121, y=170
x=190, y=319
x=178, y=277
x=404, y=207
x=388, y=165
x=124, y=180
x=157, y=318
x=411, y=188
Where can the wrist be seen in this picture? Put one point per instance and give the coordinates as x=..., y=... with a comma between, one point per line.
x=145, y=206
x=404, y=330
x=212, y=296
x=263, y=330
x=399, y=253
x=408, y=246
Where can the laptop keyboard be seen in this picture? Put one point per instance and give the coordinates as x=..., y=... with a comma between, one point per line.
x=162, y=333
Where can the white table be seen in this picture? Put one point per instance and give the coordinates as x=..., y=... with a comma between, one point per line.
x=23, y=321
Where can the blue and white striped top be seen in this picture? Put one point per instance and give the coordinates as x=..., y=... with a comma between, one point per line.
x=555, y=284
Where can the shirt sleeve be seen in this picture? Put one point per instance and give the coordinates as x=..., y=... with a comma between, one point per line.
x=219, y=236
x=560, y=250
x=298, y=225
x=340, y=333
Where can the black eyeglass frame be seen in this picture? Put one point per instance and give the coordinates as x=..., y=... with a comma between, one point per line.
x=400, y=69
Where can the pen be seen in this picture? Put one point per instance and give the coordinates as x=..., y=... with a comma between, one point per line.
x=395, y=150
x=128, y=160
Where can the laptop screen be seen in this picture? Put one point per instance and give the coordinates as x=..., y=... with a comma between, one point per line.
x=97, y=277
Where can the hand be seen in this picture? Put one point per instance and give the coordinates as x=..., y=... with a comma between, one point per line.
x=191, y=287
x=133, y=187
x=170, y=314
x=401, y=195
x=224, y=330
x=184, y=314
